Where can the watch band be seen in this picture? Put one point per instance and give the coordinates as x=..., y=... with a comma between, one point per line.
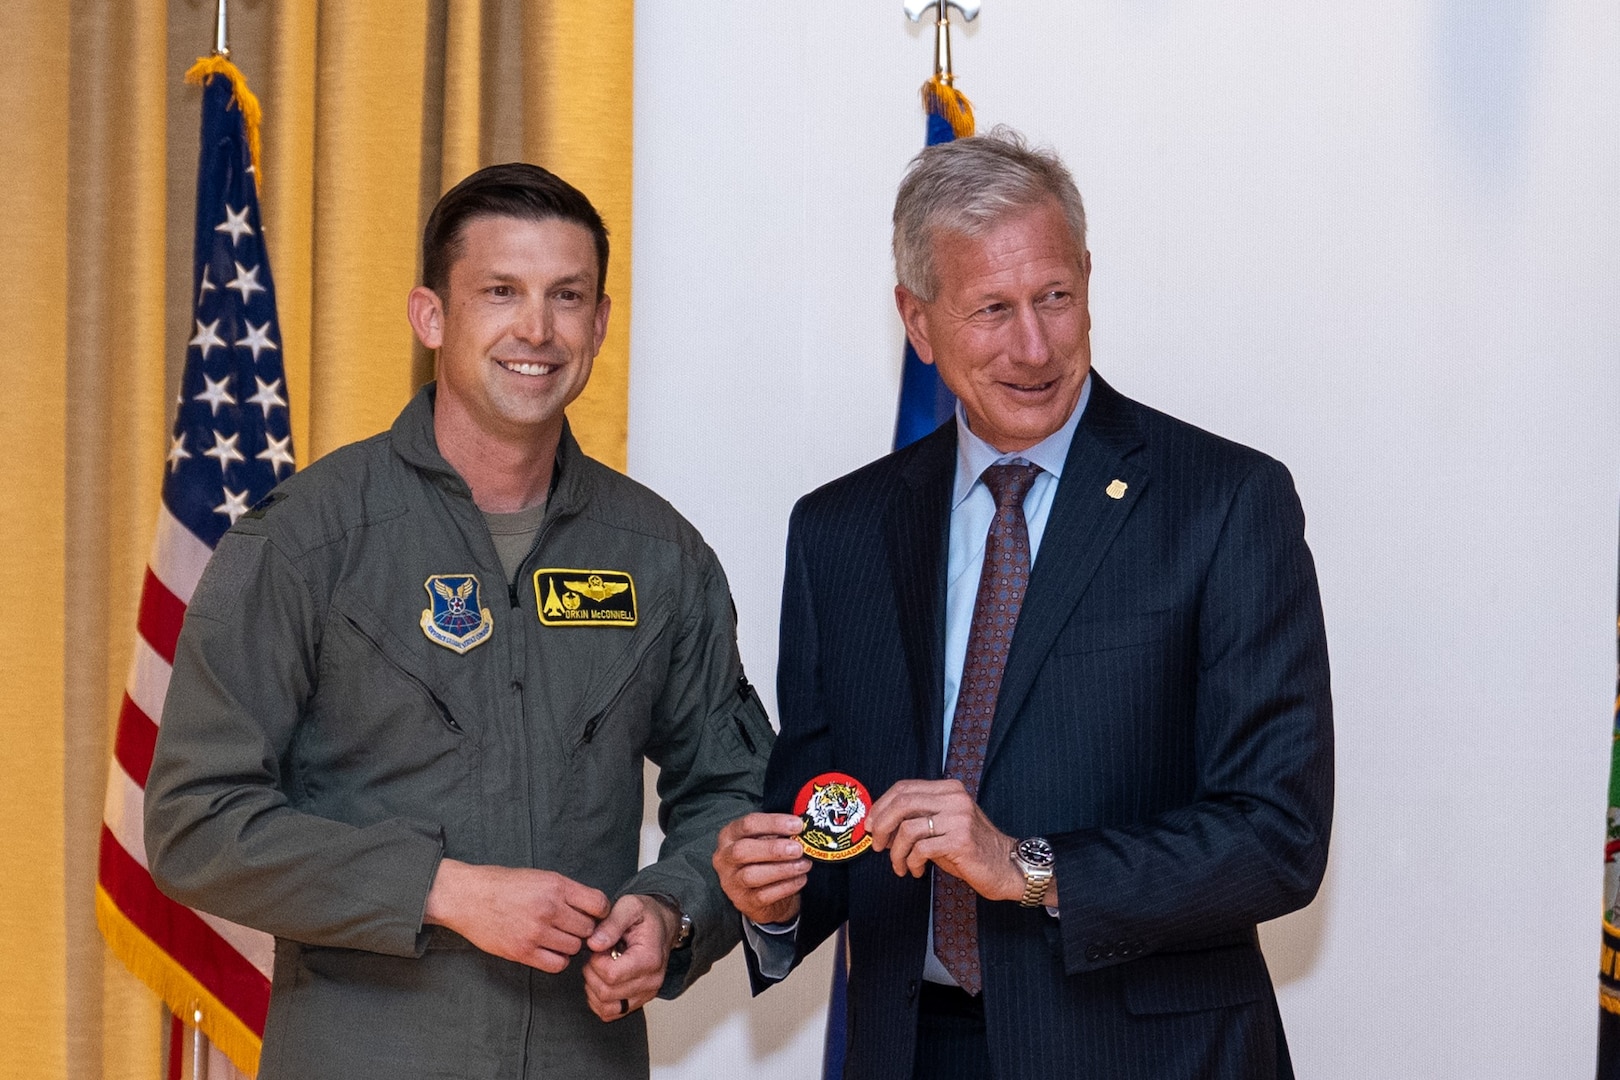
x=1036, y=882
x=1036, y=866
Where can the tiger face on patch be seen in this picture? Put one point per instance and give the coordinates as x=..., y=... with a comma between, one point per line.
x=833, y=808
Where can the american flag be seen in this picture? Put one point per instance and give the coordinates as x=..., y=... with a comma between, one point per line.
x=231, y=444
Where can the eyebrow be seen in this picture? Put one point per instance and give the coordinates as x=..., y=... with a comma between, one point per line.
x=506, y=277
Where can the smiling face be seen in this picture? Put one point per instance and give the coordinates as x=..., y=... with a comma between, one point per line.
x=516, y=330
x=1008, y=328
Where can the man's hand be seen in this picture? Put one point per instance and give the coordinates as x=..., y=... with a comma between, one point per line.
x=629, y=951
x=935, y=821
x=762, y=868
x=535, y=917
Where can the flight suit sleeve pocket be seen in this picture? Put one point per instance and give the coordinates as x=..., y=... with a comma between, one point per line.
x=236, y=567
x=747, y=730
x=1194, y=981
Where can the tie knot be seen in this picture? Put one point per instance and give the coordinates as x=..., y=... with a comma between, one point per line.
x=1009, y=484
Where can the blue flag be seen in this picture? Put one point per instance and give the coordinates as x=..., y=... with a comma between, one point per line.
x=925, y=403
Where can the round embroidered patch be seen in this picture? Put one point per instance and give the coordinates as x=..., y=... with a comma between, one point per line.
x=833, y=807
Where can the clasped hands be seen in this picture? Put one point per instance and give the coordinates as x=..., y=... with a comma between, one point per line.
x=762, y=867
x=543, y=919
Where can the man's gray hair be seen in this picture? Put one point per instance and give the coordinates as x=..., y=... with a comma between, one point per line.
x=968, y=186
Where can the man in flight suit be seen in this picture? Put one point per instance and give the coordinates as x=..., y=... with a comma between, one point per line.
x=416, y=684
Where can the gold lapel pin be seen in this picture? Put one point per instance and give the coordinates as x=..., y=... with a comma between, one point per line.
x=1116, y=490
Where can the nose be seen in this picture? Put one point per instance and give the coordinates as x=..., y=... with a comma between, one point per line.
x=1030, y=343
x=533, y=323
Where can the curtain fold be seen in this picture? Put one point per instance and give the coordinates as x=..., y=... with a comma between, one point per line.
x=372, y=108
x=115, y=373
x=33, y=492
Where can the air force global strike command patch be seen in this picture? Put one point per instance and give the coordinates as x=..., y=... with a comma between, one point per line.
x=585, y=597
x=455, y=619
x=833, y=807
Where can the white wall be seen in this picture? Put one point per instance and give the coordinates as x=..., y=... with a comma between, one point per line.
x=1378, y=240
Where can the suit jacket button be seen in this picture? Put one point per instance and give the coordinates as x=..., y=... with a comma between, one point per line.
x=1093, y=953
x=911, y=990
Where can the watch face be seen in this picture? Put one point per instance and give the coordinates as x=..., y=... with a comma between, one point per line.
x=1036, y=852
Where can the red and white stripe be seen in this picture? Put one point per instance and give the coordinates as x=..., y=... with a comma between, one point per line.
x=232, y=962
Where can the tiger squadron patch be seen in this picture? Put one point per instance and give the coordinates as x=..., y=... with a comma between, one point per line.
x=585, y=597
x=455, y=618
x=833, y=807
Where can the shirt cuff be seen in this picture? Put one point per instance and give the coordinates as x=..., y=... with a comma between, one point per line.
x=773, y=946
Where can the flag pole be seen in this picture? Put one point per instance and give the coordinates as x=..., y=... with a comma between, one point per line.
x=925, y=403
x=222, y=37
x=915, y=9
x=199, y=1041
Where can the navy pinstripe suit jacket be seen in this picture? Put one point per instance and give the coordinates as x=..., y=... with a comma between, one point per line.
x=1164, y=720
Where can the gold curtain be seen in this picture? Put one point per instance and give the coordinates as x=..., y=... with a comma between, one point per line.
x=372, y=108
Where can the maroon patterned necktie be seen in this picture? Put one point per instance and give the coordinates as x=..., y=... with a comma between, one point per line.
x=1002, y=582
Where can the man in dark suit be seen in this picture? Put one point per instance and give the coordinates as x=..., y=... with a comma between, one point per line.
x=1077, y=645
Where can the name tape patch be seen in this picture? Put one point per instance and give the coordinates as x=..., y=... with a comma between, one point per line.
x=585, y=597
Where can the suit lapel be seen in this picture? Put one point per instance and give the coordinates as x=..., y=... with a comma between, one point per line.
x=916, y=530
x=1080, y=528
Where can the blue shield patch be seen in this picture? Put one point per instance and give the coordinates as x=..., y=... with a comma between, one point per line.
x=455, y=618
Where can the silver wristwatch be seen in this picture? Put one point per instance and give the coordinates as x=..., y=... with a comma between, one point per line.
x=1034, y=857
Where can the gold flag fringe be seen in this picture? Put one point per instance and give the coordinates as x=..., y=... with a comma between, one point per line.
x=181, y=992
x=208, y=66
x=946, y=100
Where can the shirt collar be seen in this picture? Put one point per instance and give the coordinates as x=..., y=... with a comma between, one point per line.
x=974, y=455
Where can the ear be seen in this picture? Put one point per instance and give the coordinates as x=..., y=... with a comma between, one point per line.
x=426, y=313
x=602, y=307
x=912, y=312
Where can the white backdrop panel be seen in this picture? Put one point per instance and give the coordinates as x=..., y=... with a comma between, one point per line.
x=1379, y=241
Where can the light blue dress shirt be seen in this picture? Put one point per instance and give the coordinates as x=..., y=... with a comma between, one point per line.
x=972, y=510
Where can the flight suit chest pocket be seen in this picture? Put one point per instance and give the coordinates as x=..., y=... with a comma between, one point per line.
x=616, y=696
x=380, y=736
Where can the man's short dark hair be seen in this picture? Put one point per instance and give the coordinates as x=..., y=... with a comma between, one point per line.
x=518, y=190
